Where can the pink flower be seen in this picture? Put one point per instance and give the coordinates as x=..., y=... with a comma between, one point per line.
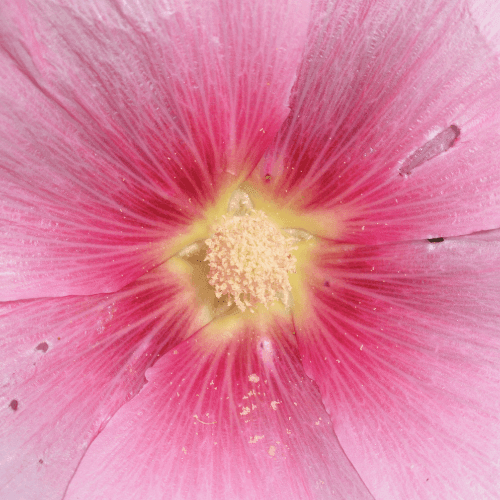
x=121, y=122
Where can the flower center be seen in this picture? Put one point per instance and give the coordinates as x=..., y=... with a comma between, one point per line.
x=249, y=260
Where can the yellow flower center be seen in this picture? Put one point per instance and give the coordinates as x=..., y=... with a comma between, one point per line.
x=247, y=255
x=250, y=260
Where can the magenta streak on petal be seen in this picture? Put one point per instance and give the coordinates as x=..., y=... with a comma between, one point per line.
x=436, y=146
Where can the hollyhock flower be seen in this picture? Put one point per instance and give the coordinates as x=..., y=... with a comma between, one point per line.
x=348, y=150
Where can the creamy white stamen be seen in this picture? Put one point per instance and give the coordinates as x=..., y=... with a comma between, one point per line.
x=249, y=260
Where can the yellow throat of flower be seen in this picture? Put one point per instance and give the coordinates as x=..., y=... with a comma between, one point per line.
x=247, y=255
x=250, y=260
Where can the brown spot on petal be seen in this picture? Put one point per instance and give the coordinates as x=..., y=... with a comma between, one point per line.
x=435, y=240
x=14, y=404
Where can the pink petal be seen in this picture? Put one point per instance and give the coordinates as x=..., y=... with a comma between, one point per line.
x=221, y=417
x=403, y=341
x=486, y=14
x=67, y=365
x=117, y=121
x=394, y=122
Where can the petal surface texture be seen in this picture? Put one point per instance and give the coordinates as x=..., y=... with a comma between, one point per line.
x=117, y=120
x=221, y=417
x=67, y=365
x=394, y=122
x=486, y=13
x=404, y=344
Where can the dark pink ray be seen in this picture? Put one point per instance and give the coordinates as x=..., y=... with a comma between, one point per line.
x=117, y=123
x=384, y=88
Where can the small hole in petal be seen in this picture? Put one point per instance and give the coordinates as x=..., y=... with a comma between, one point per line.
x=435, y=240
x=268, y=178
x=437, y=145
x=42, y=346
x=14, y=404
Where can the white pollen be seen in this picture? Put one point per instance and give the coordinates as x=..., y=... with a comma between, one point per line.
x=249, y=260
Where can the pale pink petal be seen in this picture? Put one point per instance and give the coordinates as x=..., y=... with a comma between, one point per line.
x=67, y=365
x=221, y=417
x=394, y=122
x=486, y=14
x=117, y=121
x=404, y=343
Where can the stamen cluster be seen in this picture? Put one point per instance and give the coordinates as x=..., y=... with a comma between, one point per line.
x=249, y=260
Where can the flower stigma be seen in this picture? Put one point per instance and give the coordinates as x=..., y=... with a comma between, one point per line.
x=250, y=260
